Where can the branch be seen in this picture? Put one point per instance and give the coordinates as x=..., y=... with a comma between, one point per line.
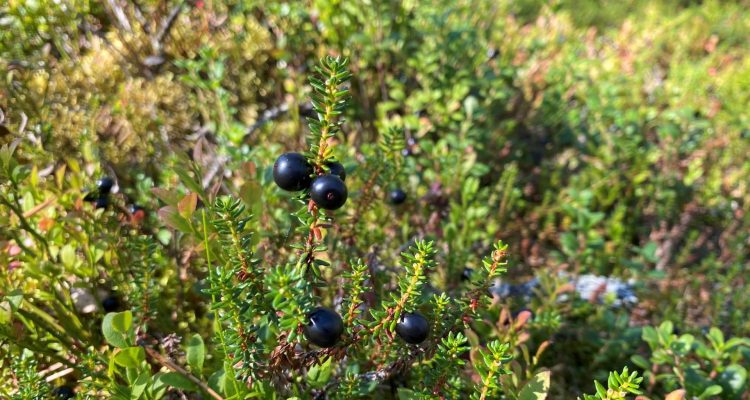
x=176, y=368
x=167, y=25
x=272, y=114
x=119, y=15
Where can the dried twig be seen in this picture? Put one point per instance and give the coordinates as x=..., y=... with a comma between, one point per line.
x=167, y=26
x=272, y=114
x=119, y=15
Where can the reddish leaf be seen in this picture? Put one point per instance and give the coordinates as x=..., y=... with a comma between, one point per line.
x=187, y=205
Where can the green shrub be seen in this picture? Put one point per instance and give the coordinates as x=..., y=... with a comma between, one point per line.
x=538, y=145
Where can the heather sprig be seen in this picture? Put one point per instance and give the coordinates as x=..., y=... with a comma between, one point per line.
x=490, y=366
x=620, y=385
x=416, y=264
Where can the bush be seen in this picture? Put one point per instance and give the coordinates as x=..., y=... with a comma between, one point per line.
x=554, y=195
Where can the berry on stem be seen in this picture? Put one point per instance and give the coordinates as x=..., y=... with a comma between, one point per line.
x=397, y=196
x=63, y=392
x=324, y=328
x=413, y=328
x=101, y=202
x=110, y=304
x=292, y=172
x=466, y=275
x=328, y=192
x=104, y=185
x=335, y=168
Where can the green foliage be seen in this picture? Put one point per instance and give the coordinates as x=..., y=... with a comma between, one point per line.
x=619, y=386
x=537, y=142
x=703, y=367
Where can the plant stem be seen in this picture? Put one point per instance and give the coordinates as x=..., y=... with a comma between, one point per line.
x=219, y=330
x=176, y=368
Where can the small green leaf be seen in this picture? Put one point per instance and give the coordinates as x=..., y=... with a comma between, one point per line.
x=15, y=297
x=712, y=390
x=600, y=390
x=640, y=361
x=139, y=386
x=177, y=380
x=172, y=218
x=196, y=354
x=319, y=374
x=130, y=357
x=536, y=388
x=158, y=387
x=569, y=243
x=68, y=256
x=116, y=328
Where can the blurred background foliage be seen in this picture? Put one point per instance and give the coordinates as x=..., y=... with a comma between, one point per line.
x=592, y=136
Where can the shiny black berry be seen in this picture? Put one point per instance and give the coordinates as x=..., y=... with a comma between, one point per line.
x=110, y=304
x=104, y=185
x=397, y=196
x=413, y=328
x=328, y=192
x=101, y=202
x=324, y=327
x=335, y=168
x=292, y=172
x=466, y=275
x=63, y=392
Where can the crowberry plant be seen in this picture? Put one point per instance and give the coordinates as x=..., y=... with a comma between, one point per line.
x=226, y=253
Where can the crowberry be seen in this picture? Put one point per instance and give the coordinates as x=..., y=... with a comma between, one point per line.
x=101, y=202
x=335, y=168
x=397, y=196
x=104, y=185
x=324, y=327
x=63, y=392
x=328, y=192
x=110, y=304
x=292, y=172
x=413, y=328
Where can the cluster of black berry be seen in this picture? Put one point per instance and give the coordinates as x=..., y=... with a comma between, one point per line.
x=293, y=172
x=325, y=326
x=100, y=198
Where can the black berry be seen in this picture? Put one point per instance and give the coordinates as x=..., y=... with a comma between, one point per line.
x=324, y=327
x=466, y=275
x=291, y=172
x=397, y=196
x=104, y=185
x=335, y=168
x=413, y=328
x=91, y=196
x=101, y=202
x=328, y=192
x=110, y=304
x=63, y=392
